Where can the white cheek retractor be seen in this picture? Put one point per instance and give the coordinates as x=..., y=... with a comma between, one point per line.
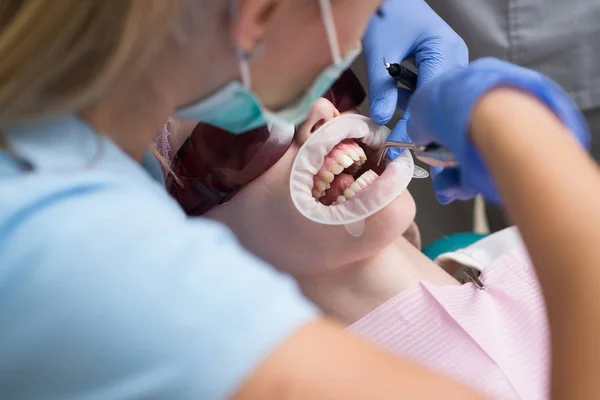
x=353, y=212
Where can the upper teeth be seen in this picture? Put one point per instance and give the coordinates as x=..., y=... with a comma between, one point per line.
x=327, y=176
x=345, y=161
x=346, y=155
x=336, y=168
x=357, y=154
x=321, y=185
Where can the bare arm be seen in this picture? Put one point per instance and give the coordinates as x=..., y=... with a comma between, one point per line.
x=551, y=189
x=322, y=362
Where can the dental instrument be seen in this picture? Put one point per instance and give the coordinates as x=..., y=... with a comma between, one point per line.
x=401, y=74
x=472, y=275
x=432, y=154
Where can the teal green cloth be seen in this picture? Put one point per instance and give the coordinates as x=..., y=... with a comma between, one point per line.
x=452, y=243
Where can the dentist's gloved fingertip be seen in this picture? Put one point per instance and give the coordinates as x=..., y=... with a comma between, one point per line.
x=382, y=110
x=393, y=153
x=380, y=118
x=384, y=94
x=403, y=98
x=399, y=133
x=443, y=200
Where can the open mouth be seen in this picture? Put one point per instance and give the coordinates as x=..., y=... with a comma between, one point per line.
x=347, y=169
x=334, y=179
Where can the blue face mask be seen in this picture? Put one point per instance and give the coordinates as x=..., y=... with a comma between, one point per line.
x=235, y=107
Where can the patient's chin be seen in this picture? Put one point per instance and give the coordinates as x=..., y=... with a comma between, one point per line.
x=392, y=222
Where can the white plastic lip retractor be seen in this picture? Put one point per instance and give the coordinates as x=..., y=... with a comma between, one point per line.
x=352, y=213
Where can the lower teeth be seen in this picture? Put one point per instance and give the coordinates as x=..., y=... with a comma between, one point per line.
x=359, y=184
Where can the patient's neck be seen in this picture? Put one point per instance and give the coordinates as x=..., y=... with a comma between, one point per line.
x=349, y=293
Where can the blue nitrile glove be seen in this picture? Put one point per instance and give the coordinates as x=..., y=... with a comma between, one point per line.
x=441, y=112
x=401, y=29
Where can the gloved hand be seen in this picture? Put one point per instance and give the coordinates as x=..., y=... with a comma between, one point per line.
x=441, y=113
x=404, y=28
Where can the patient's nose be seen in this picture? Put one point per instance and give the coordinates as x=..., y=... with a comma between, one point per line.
x=320, y=113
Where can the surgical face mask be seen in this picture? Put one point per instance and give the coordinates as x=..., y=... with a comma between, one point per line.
x=237, y=109
x=369, y=192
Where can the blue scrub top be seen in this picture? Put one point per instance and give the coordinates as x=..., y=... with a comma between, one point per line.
x=108, y=290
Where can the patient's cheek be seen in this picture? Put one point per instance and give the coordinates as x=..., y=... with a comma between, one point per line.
x=402, y=210
x=405, y=206
x=393, y=221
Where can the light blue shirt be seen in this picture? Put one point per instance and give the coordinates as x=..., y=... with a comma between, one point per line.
x=107, y=289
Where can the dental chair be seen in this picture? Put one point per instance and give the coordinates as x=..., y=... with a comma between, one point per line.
x=461, y=240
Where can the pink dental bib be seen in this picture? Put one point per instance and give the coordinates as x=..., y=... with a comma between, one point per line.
x=495, y=340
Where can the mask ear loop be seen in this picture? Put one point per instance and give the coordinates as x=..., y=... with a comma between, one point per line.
x=332, y=38
x=244, y=58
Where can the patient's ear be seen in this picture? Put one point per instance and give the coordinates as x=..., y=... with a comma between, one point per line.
x=251, y=19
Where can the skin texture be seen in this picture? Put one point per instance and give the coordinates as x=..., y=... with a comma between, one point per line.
x=346, y=276
x=347, y=368
x=546, y=200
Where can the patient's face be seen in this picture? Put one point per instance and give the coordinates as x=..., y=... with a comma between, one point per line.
x=267, y=222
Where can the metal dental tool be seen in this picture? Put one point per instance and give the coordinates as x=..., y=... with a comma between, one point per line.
x=471, y=274
x=433, y=154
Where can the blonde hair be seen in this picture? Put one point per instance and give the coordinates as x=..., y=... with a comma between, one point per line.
x=61, y=55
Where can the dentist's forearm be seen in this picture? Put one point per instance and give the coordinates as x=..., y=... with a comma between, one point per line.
x=321, y=361
x=551, y=189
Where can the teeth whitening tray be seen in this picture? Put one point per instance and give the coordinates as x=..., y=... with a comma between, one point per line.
x=353, y=212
